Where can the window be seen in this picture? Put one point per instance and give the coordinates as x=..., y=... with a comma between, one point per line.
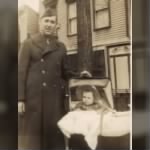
x=72, y=62
x=72, y=19
x=99, y=66
x=120, y=69
x=101, y=14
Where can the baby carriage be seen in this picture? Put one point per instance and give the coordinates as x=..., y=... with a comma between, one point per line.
x=100, y=123
x=101, y=88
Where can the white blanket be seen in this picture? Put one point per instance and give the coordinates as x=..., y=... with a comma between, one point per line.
x=86, y=123
x=91, y=124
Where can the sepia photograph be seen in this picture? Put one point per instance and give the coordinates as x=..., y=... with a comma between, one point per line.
x=74, y=74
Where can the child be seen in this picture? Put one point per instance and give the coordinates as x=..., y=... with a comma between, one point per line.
x=90, y=119
x=84, y=118
x=91, y=99
x=88, y=102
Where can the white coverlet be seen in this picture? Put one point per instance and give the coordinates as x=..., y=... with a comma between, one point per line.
x=91, y=124
x=86, y=123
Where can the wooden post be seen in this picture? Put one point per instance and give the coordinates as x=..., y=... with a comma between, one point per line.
x=84, y=35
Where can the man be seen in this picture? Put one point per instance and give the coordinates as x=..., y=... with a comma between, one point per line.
x=42, y=70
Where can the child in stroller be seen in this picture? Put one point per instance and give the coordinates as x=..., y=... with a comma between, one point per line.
x=89, y=99
x=92, y=114
x=84, y=117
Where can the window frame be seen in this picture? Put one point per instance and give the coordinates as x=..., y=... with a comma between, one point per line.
x=113, y=57
x=101, y=10
x=104, y=50
x=69, y=19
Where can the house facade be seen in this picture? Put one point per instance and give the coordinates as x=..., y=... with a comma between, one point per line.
x=110, y=22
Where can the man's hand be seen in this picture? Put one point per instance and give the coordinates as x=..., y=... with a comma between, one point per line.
x=85, y=74
x=21, y=107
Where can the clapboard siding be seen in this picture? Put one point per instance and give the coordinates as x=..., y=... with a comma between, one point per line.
x=117, y=32
x=118, y=24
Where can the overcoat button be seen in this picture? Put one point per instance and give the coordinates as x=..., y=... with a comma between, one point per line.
x=43, y=71
x=44, y=84
x=42, y=60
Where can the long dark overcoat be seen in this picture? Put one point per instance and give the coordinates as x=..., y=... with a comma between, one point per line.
x=41, y=75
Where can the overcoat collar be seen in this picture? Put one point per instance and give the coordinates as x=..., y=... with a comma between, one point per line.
x=40, y=41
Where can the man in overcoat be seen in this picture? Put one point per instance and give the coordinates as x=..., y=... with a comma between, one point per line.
x=41, y=73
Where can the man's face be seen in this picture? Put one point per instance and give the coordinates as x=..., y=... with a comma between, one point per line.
x=48, y=25
x=88, y=98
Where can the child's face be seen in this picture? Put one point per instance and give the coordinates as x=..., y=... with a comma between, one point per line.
x=88, y=98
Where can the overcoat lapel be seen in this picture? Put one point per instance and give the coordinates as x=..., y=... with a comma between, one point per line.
x=40, y=41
